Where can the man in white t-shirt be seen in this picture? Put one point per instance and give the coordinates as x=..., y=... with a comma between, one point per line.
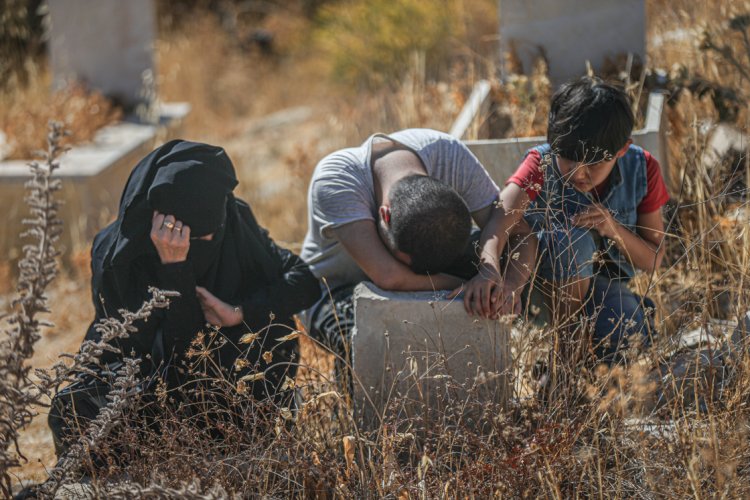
x=397, y=211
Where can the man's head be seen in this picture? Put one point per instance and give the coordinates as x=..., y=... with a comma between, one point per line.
x=426, y=224
x=590, y=123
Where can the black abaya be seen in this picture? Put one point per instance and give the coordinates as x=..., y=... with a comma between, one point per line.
x=241, y=266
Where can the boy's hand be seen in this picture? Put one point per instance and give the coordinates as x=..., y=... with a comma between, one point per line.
x=216, y=311
x=170, y=237
x=489, y=295
x=598, y=218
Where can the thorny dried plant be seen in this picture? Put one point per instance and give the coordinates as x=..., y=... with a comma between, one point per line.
x=19, y=393
x=109, y=329
x=120, y=398
x=190, y=491
x=37, y=269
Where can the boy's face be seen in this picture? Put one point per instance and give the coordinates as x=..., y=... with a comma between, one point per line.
x=585, y=177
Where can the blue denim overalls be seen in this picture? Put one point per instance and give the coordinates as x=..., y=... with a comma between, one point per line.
x=566, y=252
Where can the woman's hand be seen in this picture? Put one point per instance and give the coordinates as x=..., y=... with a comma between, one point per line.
x=216, y=311
x=598, y=218
x=170, y=237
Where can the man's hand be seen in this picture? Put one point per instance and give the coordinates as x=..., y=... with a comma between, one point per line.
x=216, y=311
x=489, y=295
x=170, y=237
x=598, y=218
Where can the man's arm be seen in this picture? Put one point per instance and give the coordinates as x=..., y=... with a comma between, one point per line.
x=363, y=243
x=493, y=291
x=644, y=249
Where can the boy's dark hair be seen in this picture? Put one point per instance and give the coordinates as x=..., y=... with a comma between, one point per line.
x=429, y=222
x=589, y=120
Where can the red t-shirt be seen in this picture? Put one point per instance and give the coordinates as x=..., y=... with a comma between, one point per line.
x=530, y=177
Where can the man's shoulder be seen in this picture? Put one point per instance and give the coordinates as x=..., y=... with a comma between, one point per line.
x=425, y=138
x=344, y=162
x=424, y=133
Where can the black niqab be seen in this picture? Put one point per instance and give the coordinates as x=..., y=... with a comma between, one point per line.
x=192, y=181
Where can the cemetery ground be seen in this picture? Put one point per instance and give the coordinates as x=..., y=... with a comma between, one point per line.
x=675, y=423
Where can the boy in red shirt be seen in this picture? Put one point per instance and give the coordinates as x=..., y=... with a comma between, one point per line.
x=595, y=201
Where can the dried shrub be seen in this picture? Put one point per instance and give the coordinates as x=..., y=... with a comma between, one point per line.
x=23, y=110
x=373, y=44
x=19, y=392
x=23, y=323
x=20, y=40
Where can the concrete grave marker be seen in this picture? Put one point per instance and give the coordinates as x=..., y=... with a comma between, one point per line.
x=108, y=44
x=93, y=176
x=570, y=32
x=416, y=345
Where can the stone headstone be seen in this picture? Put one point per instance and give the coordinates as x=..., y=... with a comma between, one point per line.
x=725, y=142
x=570, y=32
x=738, y=341
x=418, y=348
x=107, y=44
x=93, y=176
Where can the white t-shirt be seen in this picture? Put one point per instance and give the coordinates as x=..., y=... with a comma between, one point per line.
x=342, y=192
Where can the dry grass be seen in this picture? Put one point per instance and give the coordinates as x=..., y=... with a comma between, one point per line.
x=24, y=108
x=603, y=433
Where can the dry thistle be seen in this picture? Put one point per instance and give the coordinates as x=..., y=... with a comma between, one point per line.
x=37, y=269
x=189, y=491
x=18, y=393
x=123, y=387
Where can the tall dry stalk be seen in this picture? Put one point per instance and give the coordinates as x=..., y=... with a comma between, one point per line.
x=124, y=385
x=19, y=394
x=37, y=269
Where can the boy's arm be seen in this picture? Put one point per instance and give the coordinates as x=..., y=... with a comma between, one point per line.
x=644, y=249
x=491, y=291
x=363, y=243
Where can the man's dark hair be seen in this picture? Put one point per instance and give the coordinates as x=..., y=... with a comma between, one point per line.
x=429, y=222
x=589, y=120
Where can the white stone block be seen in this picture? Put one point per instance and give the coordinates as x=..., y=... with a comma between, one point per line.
x=569, y=32
x=419, y=345
x=108, y=44
x=738, y=340
x=93, y=176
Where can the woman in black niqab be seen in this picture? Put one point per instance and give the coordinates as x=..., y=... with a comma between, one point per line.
x=182, y=192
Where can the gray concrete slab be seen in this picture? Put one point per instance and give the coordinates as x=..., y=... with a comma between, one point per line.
x=93, y=177
x=738, y=342
x=722, y=140
x=418, y=347
x=473, y=117
x=570, y=32
x=108, y=44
